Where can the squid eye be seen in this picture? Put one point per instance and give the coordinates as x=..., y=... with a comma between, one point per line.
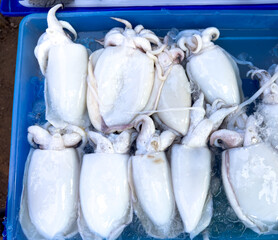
x=213, y=36
x=219, y=141
x=139, y=127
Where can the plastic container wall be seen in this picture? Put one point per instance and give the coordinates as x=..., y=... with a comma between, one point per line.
x=246, y=33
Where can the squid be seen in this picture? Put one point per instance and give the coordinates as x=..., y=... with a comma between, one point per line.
x=191, y=168
x=150, y=180
x=105, y=204
x=250, y=161
x=121, y=77
x=268, y=107
x=49, y=202
x=210, y=67
x=64, y=65
x=250, y=178
x=171, y=94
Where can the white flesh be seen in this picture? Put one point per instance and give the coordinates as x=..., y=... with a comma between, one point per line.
x=95, y=56
x=270, y=114
x=175, y=93
x=124, y=79
x=92, y=97
x=236, y=70
x=28, y=228
x=153, y=99
x=205, y=218
x=52, y=191
x=104, y=193
x=153, y=187
x=250, y=178
x=66, y=85
x=191, y=168
x=213, y=71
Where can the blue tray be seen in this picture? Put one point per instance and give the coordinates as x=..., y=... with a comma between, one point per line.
x=253, y=33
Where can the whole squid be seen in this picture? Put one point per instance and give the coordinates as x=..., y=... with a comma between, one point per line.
x=250, y=177
x=210, y=67
x=104, y=191
x=121, y=77
x=150, y=180
x=49, y=202
x=171, y=94
x=64, y=65
x=250, y=163
x=191, y=168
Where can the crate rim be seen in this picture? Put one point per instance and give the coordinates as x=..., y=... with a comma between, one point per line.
x=8, y=9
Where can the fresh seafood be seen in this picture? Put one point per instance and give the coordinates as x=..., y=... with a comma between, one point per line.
x=210, y=67
x=171, y=93
x=249, y=174
x=268, y=108
x=191, y=168
x=134, y=74
x=64, y=65
x=150, y=179
x=49, y=201
x=121, y=77
x=250, y=163
x=104, y=191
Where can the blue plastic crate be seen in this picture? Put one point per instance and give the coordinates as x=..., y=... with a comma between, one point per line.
x=250, y=32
